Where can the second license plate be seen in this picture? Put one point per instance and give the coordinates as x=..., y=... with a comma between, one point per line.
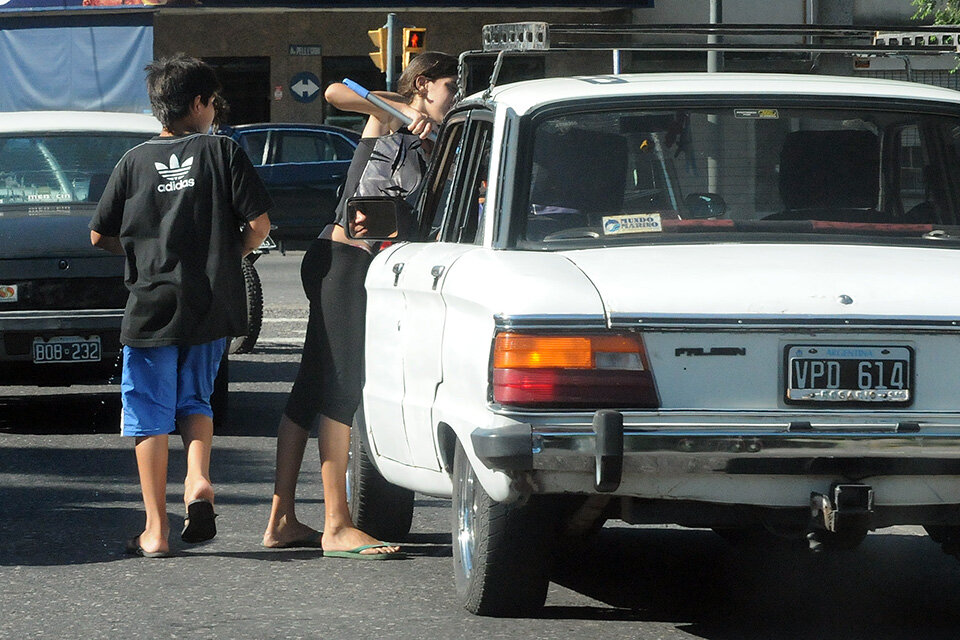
x=849, y=374
x=66, y=349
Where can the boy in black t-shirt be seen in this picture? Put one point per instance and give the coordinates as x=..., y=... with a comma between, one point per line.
x=174, y=206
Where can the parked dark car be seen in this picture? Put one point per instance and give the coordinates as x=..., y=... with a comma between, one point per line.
x=61, y=299
x=303, y=166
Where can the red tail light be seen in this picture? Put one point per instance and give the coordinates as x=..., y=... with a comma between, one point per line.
x=572, y=371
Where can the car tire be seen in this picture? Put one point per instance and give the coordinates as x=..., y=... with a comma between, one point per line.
x=254, y=290
x=501, y=551
x=379, y=508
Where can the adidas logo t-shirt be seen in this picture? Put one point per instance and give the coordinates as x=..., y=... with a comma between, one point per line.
x=177, y=204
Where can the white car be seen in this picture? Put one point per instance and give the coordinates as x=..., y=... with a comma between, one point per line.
x=717, y=300
x=61, y=299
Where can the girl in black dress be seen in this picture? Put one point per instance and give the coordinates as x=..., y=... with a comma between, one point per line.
x=327, y=390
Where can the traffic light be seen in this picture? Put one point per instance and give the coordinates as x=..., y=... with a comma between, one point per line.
x=413, y=41
x=379, y=39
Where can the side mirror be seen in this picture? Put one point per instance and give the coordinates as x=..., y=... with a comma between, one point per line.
x=704, y=205
x=383, y=218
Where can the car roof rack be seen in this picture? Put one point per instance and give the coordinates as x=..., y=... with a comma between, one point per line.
x=517, y=38
x=542, y=36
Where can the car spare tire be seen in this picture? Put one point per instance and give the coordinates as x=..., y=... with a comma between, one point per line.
x=251, y=281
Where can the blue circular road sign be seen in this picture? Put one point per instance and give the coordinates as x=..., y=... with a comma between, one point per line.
x=305, y=87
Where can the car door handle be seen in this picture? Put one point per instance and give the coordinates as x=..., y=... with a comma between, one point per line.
x=436, y=272
x=397, y=268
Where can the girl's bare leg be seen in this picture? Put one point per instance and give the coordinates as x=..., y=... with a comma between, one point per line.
x=283, y=527
x=339, y=532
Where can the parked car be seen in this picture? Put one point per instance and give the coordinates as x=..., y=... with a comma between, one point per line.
x=61, y=299
x=716, y=300
x=303, y=166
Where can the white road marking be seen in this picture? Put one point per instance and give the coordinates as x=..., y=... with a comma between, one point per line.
x=294, y=341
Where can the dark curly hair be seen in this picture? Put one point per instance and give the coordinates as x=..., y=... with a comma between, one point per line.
x=173, y=83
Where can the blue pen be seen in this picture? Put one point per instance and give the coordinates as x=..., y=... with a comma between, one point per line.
x=367, y=95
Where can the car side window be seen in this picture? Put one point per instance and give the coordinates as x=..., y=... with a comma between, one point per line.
x=325, y=148
x=341, y=149
x=440, y=183
x=466, y=210
x=910, y=161
x=300, y=147
x=255, y=144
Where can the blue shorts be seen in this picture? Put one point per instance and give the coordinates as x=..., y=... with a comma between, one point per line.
x=160, y=384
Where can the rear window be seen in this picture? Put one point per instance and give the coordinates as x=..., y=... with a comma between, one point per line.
x=59, y=168
x=646, y=175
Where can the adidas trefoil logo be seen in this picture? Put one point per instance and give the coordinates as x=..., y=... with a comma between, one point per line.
x=175, y=174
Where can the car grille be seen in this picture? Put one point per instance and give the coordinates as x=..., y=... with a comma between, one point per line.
x=68, y=294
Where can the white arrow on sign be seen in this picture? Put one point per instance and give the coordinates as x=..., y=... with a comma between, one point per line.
x=305, y=88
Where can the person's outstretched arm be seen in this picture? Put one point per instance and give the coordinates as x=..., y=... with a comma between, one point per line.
x=381, y=123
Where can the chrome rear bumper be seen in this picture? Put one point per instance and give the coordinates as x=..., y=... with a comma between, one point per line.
x=854, y=451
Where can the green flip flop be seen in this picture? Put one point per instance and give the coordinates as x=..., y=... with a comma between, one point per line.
x=356, y=554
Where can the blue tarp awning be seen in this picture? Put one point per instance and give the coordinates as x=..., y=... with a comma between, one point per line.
x=75, y=63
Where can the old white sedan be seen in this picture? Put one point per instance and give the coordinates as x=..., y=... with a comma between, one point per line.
x=61, y=299
x=717, y=300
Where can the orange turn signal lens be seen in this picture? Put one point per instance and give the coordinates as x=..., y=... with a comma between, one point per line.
x=524, y=351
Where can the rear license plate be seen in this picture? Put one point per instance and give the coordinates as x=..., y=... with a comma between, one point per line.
x=851, y=374
x=66, y=349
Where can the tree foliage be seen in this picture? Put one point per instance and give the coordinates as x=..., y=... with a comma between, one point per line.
x=943, y=11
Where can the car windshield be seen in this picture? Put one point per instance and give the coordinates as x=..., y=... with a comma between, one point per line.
x=631, y=176
x=59, y=168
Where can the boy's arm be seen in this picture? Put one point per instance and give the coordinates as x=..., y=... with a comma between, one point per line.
x=255, y=232
x=110, y=243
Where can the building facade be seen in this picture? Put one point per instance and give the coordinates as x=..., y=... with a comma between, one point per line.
x=275, y=58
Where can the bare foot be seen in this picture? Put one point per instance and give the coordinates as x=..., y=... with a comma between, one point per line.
x=349, y=538
x=199, y=490
x=285, y=532
x=154, y=543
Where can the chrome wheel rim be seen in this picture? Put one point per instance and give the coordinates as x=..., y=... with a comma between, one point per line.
x=466, y=521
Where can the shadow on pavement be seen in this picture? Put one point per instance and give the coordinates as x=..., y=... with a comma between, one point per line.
x=66, y=506
x=250, y=413
x=64, y=414
x=710, y=589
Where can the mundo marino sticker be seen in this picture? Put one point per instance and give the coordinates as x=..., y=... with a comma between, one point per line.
x=637, y=223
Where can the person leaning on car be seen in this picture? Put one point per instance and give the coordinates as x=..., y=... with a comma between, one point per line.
x=174, y=206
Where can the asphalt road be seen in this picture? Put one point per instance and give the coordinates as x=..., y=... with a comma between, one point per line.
x=69, y=497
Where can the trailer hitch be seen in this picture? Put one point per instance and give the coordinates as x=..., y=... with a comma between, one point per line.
x=841, y=518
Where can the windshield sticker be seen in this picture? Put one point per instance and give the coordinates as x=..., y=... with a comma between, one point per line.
x=8, y=293
x=757, y=114
x=643, y=223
